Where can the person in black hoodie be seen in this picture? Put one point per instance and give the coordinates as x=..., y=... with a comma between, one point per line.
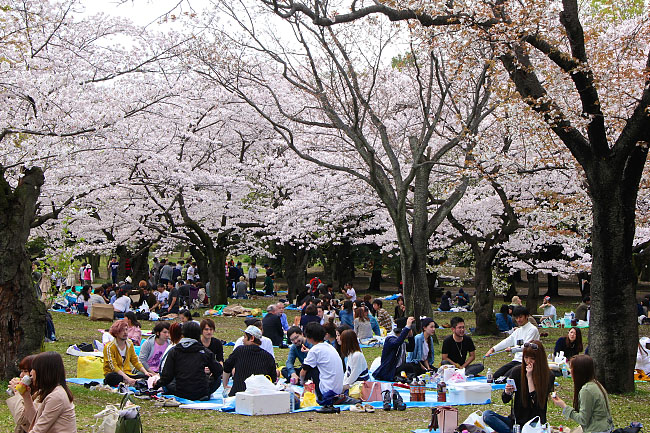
x=186, y=366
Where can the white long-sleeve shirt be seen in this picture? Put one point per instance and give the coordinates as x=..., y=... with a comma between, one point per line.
x=356, y=367
x=526, y=333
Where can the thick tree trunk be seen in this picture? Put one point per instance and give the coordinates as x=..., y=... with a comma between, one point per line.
x=532, y=300
x=344, y=272
x=140, y=265
x=295, y=259
x=377, y=266
x=94, y=260
x=216, y=274
x=484, y=307
x=122, y=253
x=613, y=331
x=553, y=286
x=22, y=315
x=512, y=289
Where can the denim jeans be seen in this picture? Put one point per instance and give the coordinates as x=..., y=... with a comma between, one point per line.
x=499, y=423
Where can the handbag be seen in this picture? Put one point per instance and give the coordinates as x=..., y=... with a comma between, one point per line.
x=128, y=424
x=371, y=391
x=444, y=418
x=108, y=417
x=534, y=426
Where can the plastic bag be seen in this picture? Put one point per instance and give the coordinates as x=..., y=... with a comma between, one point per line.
x=355, y=390
x=259, y=384
x=108, y=419
x=534, y=426
x=457, y=377
x=90, y=367
x=476, y=418
x=308, y=400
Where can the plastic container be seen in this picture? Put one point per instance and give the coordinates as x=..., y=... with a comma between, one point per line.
x=470, y=393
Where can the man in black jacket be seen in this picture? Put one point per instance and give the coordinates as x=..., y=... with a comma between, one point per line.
x=272, y=325
x=248, y=360
x=186, y=363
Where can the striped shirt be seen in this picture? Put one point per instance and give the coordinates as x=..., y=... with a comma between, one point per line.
x=248, y=360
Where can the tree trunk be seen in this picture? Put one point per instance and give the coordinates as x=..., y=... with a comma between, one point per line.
x=532, y=300
x=94, y=260
x=216, y=273
x=512, y=289
x=484, y=307
x=140, y=265
x=344, y=263
x=22, y=315
x=377, y=266
x=613, y=331
x=122, y=253
x=295, y=260
x=553, y=286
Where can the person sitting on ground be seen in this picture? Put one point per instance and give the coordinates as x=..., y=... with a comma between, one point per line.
x=504, y=320
x=393, y=354
x=325, y=359
x=150, y=297
x=400, y=309
x=458, y=349
x=533, y=385
x=240, y=288
x=549, y=309
x=421, y=359
x=186, y=316
x=247, y=360
x=311, y=315
x=184, y=374
x=56, y=412
x=96, y=298
x=462, y=298
x=122, y=304
x=330, y=333
x=445, y=302
x=590, y=402
x=349, y=292
x=383, y=317
x=133, y=329
x=266, y=343
x=571, y=345
x=15, y=402
x=583, y=308
x=356, y=366
x=643, y=355
x=272, y=325
x=120, y=360
x=174, y=300
x=282, y=315
x=362, y=326
x=523, y=334
x=83, y=300
x=153, y=348
x=516, y=301
x=298, y=350
x=175, y=335
x=207, y=339
x=162, y=299
x=346, y=315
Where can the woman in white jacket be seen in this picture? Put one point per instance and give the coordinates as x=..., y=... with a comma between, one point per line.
x=356, y=367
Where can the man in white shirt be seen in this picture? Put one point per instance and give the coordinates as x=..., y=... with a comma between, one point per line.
x=190, y=272
x=323, y=357
x=162, y=298
x=267, y=344
x=549, y=309
x=349, y=292
x=523, y=334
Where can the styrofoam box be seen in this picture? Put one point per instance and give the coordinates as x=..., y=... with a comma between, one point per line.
x=470, y=392
x=269, y=403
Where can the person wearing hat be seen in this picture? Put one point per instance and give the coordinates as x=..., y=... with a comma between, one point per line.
x=421, y=359
x=88, y=275
x=247, y=360
x=458, y=349
x=549, y=309
x=267, y=344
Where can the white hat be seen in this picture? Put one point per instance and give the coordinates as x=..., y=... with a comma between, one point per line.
x=128, y=279
x=254, y=331
x=88, y=266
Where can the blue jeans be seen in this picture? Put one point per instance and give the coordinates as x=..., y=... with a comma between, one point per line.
x=499, y=423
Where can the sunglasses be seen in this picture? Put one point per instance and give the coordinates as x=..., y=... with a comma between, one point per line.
x=531, y=345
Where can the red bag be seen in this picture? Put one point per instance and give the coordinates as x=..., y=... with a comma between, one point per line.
x=371, y=391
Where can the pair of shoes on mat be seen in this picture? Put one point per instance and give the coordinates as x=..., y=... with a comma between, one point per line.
x=398, y=402
x=328, y=409
x=166, y=402
x=362, y=408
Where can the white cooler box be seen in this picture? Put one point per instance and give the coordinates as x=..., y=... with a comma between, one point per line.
x=470, y=392
x=269, y=403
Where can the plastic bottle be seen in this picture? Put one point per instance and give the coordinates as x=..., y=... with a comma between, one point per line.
x=413, y=388
x=292, y=398
x=423, y=391
x=489, y=376
x=516, y=428
x=442, y=391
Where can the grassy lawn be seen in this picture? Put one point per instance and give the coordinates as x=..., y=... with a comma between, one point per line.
x=77, y=329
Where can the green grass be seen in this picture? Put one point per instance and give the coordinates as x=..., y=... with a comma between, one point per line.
x=76, y=329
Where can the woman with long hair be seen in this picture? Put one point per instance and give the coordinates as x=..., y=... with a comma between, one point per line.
x=133, y=329
x=590, y=403
x=15, y=402
x=346, y=315
x=571, y=345
x=356, y=366
x=504, y=320
x=533, y=385
x=400, y=309
x=55, y=413
x=362, y=326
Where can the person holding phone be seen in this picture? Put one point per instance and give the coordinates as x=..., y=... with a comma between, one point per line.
x=533, y=383
x=590, y=403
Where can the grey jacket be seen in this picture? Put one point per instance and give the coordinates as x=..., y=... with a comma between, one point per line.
x=146, y=350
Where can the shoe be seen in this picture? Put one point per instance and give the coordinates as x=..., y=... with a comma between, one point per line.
x=357, y=408
x=398, y=403
x=368, y=408
x=328, y=409
x=386, y=399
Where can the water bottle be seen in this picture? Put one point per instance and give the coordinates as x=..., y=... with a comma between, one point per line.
x=292, y=398
x=489, y=376
x=516, y=428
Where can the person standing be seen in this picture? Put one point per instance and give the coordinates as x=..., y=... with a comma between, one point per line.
x=457, y=347
x=590, y=402
x=113, y=267
x=88, y=275
x=166, y=272
x=252, y=277
x=268, y=285
x=191, y=272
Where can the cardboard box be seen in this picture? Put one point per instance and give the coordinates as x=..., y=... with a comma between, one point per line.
x=470, y=393
x=269, y=403
x=101, y=312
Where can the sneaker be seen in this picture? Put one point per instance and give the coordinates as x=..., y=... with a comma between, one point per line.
x=387, y=399
x=368, y=408
x=398, y=403
x=328, y=409
x=357, y=408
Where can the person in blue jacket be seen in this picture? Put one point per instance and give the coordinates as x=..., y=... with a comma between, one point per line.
x=346, y=315
x=504, y=320
x=422, y=356
x=393, y=354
